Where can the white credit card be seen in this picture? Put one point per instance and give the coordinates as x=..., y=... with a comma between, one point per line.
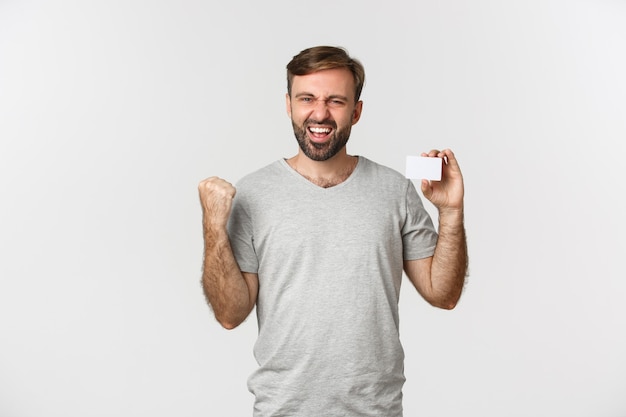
x=423, y=167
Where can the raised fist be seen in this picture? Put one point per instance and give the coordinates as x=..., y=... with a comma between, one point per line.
x=216, y=197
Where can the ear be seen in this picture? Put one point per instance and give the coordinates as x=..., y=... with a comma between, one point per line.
x=288, y=104
x=356, y=114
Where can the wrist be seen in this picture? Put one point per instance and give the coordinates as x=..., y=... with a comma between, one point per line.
x=217, y=229
x=451, y=216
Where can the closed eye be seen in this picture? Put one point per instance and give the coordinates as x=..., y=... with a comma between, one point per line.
x=336, y=103
x=331, y=101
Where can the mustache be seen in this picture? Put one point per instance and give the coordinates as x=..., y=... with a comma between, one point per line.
x=326, y=122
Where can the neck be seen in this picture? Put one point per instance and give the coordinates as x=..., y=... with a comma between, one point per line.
x=327, y=173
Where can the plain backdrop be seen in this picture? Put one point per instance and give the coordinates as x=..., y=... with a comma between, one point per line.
x=111, y=112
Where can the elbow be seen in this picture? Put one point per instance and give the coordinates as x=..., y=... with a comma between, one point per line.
x=448, y=305
x=446, y=300
x=228, y=324
x=230, y=320
x=445, y=303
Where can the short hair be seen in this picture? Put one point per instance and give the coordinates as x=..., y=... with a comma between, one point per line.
x=320, y=58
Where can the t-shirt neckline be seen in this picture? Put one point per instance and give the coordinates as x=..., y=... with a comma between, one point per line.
x=302, y=178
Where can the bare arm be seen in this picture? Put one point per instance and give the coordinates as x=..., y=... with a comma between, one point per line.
x=440, y=278
x=231, y=293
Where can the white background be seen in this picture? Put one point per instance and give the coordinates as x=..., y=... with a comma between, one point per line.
x=111, y=112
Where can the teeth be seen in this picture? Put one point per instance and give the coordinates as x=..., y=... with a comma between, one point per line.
x=320, y=130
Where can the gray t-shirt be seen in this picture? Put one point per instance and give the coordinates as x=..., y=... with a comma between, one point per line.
x=329, y=262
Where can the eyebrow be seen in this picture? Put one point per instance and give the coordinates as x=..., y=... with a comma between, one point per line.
x=332, y=96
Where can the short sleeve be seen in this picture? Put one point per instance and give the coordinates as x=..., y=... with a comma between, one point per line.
x=241, y=235
x=419, y=236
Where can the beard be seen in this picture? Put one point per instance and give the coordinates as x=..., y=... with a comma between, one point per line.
x=321, y=151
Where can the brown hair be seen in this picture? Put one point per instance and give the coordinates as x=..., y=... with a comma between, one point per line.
x=326, y=57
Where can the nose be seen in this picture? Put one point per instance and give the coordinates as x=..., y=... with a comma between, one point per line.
x=320, y=110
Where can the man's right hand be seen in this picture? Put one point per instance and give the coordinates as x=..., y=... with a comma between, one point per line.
x=216, y=197
x=231, y=293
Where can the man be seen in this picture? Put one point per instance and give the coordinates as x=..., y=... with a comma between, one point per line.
x=318, y=243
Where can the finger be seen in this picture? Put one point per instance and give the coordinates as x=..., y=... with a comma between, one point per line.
x=427, y=189
x=205, y=183
x=215, y=186
x=450, y=158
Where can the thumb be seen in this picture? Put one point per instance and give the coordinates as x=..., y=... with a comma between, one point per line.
x=427, y=189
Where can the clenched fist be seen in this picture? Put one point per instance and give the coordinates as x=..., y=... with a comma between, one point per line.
x=216, y=197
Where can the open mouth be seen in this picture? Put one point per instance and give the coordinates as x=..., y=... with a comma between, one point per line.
x=319, y=134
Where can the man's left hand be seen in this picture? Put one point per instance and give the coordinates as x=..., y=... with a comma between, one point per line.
x=447, y=194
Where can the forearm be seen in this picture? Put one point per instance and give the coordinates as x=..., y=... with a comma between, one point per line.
x=449, y=265
x=224, y=286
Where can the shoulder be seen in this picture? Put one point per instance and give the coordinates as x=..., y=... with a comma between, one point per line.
x=266, y=175
x=383, y=175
